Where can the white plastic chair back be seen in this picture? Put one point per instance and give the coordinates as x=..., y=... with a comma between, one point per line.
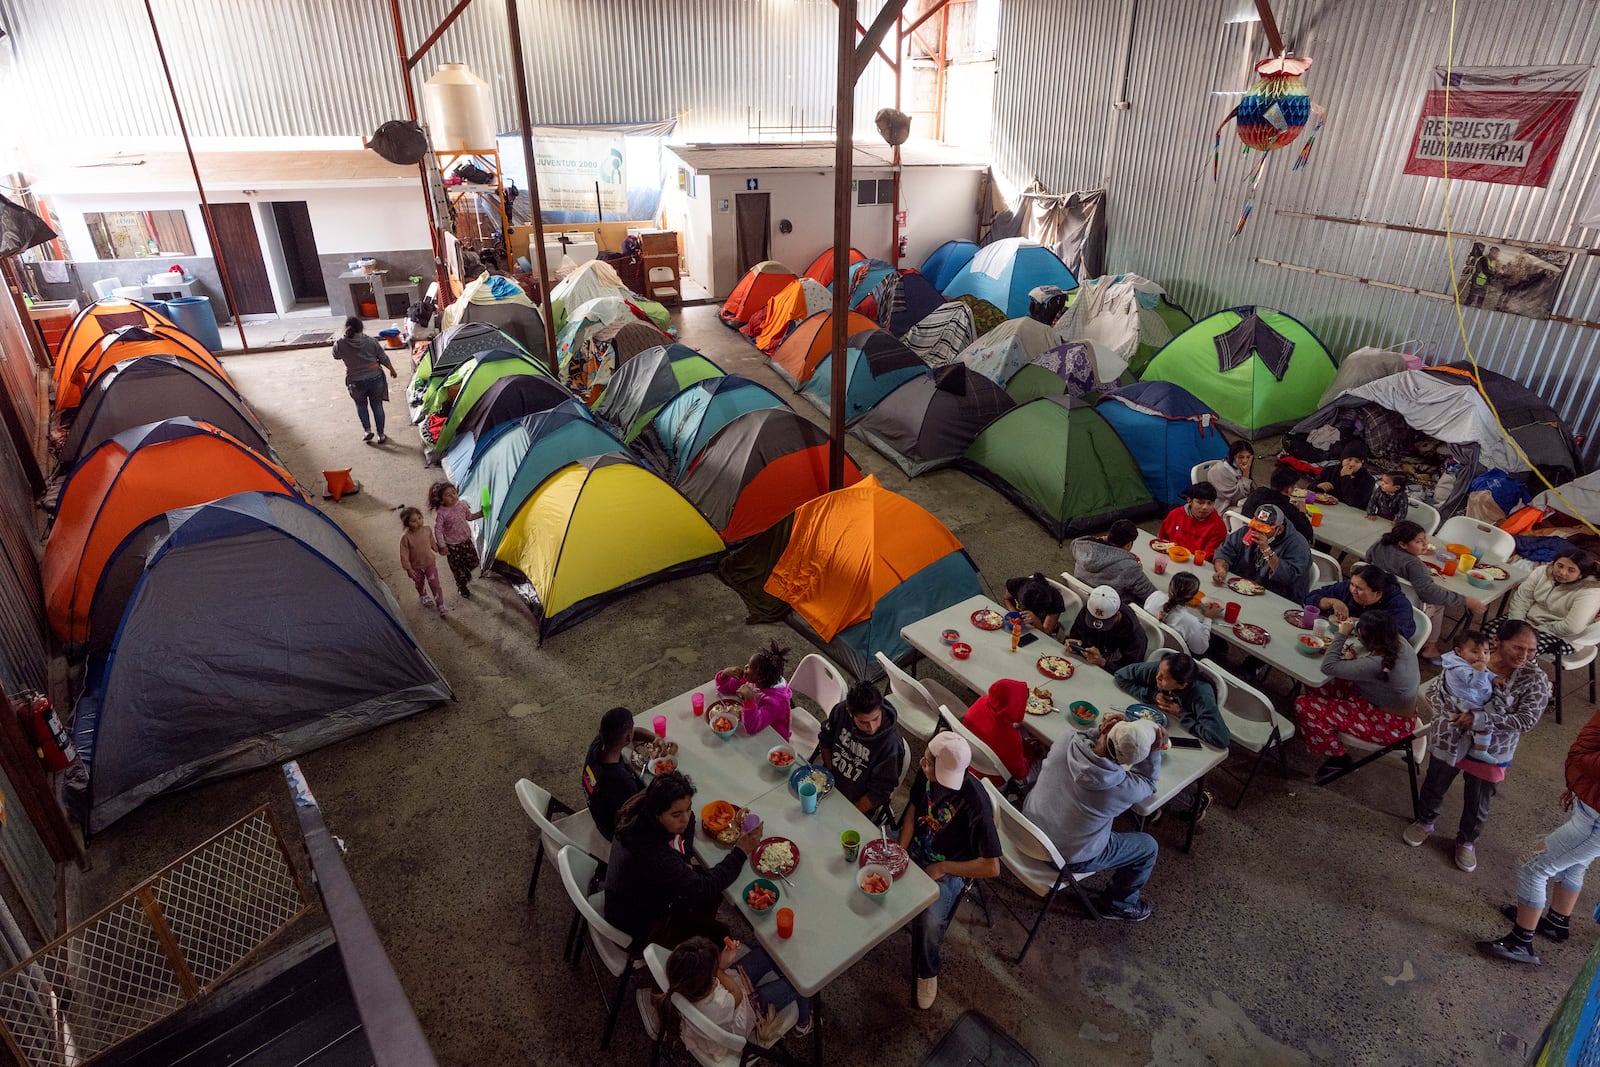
x=1326, y=567
x=917, y=710
x=1197, y=473
x=1219, y=678
x=805, y=732
x=984, y=761
x=1078, y=586
x=535, y=803
x=1157, y=634
x=1584, y=643
x=610, y=944
x=1235, y=520
x=1409, y=590
x=1250, y=716
x=1073, y=603
x=818, y=680
x=1497, y=545
x=1424, y=515
x=1024, y=849
x=1424, y=627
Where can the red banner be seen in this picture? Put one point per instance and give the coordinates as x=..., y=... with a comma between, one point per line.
x=1506, y=124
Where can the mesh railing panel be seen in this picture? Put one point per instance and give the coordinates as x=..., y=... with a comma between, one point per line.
x=121, y=972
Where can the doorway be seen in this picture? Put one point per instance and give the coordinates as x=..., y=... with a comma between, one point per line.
x=300, y=257
x=753, y=230
x=241, y=247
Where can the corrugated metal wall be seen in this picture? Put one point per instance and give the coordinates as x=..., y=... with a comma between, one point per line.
x=252, y=68
x=1060, y=71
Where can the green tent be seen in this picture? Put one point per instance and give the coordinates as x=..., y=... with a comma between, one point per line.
x=1060, y=461
x=463, y=388
x=1260, y=370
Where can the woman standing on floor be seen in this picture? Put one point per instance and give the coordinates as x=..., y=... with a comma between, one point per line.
x=364, y=363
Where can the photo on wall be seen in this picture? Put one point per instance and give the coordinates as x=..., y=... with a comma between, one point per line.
x=1521, y=281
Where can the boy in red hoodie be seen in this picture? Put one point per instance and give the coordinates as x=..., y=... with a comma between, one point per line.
x=996, y=718
x=1196, y=525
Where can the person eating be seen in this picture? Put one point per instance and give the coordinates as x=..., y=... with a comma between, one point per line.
x=1280, y=491
x=1039, y=601
x=1367, y=587
x=1353, y=483
x=1231, y=477
x=1269, y=553
x=607, y=779
x=1399, y=552
x=1109, y=560
x=861, y=745
x=1195, y=524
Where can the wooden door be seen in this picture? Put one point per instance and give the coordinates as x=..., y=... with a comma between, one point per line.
x=753, y=230
x=241, y=248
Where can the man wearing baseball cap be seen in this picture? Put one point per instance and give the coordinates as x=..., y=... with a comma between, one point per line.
x=1106, y=633
x=949, y=831
x=1268, y=551
x=1196, y=524
x=1083, y=786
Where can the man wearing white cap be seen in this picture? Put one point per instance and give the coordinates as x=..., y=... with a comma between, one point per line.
x=1083, y=786
x=949, y=831
x=1106, y=633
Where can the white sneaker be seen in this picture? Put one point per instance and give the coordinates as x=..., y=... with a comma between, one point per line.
x=443, y=611
x=427, y=601
x=927, y=991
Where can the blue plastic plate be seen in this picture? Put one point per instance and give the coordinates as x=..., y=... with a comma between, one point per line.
x=1146, y=711
x=804, y=769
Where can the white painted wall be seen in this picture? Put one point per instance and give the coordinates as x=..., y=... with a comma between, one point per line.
x=272, y=252
x=70, y=209
x=365, y=219
x=941, y=204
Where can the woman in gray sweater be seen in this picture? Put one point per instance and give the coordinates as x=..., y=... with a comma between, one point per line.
x=1400, y=552
x=1370, y=694
x=364, y=363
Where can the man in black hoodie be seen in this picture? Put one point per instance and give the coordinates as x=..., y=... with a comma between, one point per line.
x=862, y=747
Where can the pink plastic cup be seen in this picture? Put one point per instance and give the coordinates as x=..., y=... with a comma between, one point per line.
x=660, y=725
x=699, y=702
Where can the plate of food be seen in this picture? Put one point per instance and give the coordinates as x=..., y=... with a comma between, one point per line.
x=1135, y=712
x=1250, y=633
x=1040, y=701
x=1245, y=587
x=884, y=852
x=776, y=856
x=1433, y=568
x=644, y=752
x=1295, y=618
x=1311, y=645
x=731, y=707
x=1056, y=666
x=987, y=619
x=820, y=777
x=1489, y=570
x=1160, y=545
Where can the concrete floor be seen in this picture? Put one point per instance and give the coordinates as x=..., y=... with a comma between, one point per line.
x=1301, y=929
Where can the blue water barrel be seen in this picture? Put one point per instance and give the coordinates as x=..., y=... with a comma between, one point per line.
x=193, y=316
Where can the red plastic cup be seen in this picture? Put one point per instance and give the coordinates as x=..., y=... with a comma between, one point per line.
x=699, y=702
x=660, y=725
x=1161, y=564
x=785, y=922
x=1450, y=567
x=1230, y=613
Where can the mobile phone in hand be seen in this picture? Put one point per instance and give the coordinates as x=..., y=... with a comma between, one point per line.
x=1027, y=639
x=1185, y=742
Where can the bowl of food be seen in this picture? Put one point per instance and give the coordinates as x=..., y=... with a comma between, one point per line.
x=781, y=756
x=950, y=637
x=661, y=765
x=1311, y=645
x=874, y=880
x=724, y=726
x=1083, y=713
x=717, y=816
x=761, y=896
x=1457, y=549
x=961, y=650
x=1178, y=554
x=1480, y=580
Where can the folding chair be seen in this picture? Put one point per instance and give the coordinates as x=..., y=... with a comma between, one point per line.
x=984, y=761
x=1033, y=860
x=576, y=829
x=820, y=682
x=1255, y=725
x=613, y=948
x=916, y=701
x=1198, y=472
x=1424, y=515
x=1327, y=568
x=1497, y=545
x=655, y=958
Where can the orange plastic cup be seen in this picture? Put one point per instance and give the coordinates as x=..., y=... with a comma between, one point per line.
x=785, y=922
x=1316, y=519
x=1450, y=567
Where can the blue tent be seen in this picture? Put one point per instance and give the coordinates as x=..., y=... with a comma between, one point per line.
x=865, y=278
x=689, y=420
x=875, y=365
x=1004, y=272
x=1167, y=430
x=904, y=299
x=946, y=261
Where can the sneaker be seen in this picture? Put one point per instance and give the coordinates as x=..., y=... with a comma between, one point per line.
x=1546, y=928
x=427, y=601
x=1466, y=858
x=367, y=437
x=465, y=592
x=1417, y=833
x=1138, y=913
x=802, y=1029
x=443, y=611
x=1509, y=948
x=383, y=439
x=1202, y=804
x=927, y=991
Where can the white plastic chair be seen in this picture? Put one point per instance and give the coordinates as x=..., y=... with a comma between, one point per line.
x=1198, y=472
x=1424, y=627
x=576, y=829
x=1327, y=568
x=1412, y=748
x=1235, y=519
x=984, y=761
x=611, y=946
x=1033, y=859
x=1424, y=515
x=1071, y=601
x=1497, y=545
x=805, y=732
x=735, y=1049
x=1583, y=655
x=1157, y=634
x=916, y=702
x=819, y=681
x=1078, y=586
x=1255, y=725
x=1219, y=679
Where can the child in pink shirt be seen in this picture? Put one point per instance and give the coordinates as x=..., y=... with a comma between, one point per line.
x=416, y=556
x=760, y=684
x=452, y=537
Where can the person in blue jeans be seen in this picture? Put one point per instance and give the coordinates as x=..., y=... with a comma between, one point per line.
x=1084, y=785
x=364, y=363
x=1563, y=857
x=949, y=831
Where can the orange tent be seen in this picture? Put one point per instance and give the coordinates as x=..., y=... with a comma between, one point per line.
x=760, y=284
x=821, y=268
x=794, y=302
x=99, y=319
x=136, y=476
x=849, y=549
x=126, y=342
x=810, y=343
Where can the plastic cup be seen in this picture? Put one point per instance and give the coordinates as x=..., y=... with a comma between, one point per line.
x=1161, y=564
x=1466, y=561
x=1323, y=627
x=808, y=798
x=751, y=821
x=660, y=725
x=785, y=922
x=1316, y=518
x=1309, y=614
x=1230, y=614
x=699, y=702
x=1450, y=566
x=851, y=841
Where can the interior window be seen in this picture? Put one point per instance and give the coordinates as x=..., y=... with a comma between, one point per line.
x=136, y=234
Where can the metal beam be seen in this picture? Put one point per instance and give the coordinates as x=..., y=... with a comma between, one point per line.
x=441, y=270
x=525, y=122
x=433, y=38
x=1270, y=25
x=843, y=160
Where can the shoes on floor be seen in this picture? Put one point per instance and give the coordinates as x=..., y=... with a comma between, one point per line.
x=383, y=439
x=1136, y=914
x=367, y=437
x=465, y=592
x=802, y=1029
x=1509, y=948
x=927, y=992
x=1417, y=833
x=1546, y=928
x=1466, y=858
x=1202, y=804
x=443, y=611
x=427, y=601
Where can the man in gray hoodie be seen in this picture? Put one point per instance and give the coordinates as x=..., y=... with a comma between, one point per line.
x=1083, y=786
x=1110, y=561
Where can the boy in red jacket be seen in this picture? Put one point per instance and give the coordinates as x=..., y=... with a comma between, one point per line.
x=1196, y=525
x=1563, y=856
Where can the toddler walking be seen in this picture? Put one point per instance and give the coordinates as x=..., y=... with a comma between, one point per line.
x=416, y=556
x=452, y=537
x=1468, y=679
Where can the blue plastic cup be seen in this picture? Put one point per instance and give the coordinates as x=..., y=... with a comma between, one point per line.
x=808, y=798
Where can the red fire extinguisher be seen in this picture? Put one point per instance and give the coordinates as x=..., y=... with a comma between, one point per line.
x=41, y=723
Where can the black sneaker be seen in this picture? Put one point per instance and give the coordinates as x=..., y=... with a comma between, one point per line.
x=1509, y=948
x=1136, y=914
x=1202, y=804
x=367, y=436
x=465, y=593
x=1546, y=928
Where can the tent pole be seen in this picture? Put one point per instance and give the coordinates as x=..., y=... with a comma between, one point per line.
x=441, y=272
x=843, y=160
x=894, y=208
x=519, y=67
x=205, y=205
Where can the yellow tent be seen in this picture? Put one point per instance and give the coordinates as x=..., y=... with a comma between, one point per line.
x=596, y=529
